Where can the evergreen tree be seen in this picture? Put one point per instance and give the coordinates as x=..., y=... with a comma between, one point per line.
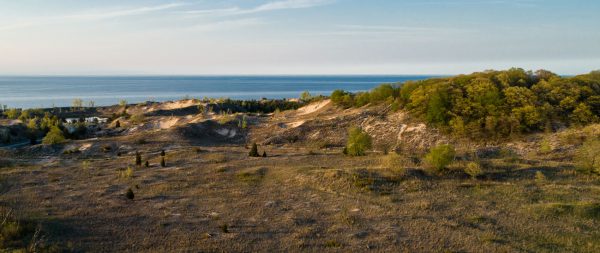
x=162, y=162
x=162, y=153
x=138, y=159
x=117, y=124
x=147, y=164
x=129, y=194
x=254, y=150
x=264, y=154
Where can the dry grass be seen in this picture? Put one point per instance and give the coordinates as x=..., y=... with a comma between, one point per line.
x=217, y=199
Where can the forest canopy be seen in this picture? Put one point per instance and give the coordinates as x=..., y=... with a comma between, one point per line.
x=494, y=104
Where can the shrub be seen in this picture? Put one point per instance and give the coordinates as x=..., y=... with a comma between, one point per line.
x=127, y=173
x=540, y=177
x=162, y=162
x=129, y=194
x=55, y=136
x=358, y=142
x=138, y=159
x=545, y=147
x=394, y=162
x=224, y=228
x=138, y=118
x=147, y=164
x=440, y=157
x=588, y=157
x=473, y=169
x=264, y=154
x=254, y=150
x=162, y=153
x=12, y=113
x=117, y=124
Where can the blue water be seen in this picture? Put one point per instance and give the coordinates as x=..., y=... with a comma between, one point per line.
x=32, y=92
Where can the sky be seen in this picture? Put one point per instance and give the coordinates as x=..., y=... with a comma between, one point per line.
x=296, y=37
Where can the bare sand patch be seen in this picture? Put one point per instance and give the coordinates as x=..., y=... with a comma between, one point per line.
x=313, y=107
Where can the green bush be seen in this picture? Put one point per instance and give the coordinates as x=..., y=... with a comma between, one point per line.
x=545, y=147
x=358, y=142
x=588, y=157
x=474, y=170
x=440, y=157
x=55, y=136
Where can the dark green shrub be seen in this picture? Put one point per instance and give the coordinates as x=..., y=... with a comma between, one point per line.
x=254, y=151
x=138, y=159
x=129, y=194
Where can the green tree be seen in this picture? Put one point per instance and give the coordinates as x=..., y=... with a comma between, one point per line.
x=32, y=130
x=55, y=136
x=583, y=115
x=437, y=108
x=337, y=96
x=12, y=113
x=358, y=142
x=306, y=96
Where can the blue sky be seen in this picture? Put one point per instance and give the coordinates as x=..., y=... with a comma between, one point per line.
x=74, y=37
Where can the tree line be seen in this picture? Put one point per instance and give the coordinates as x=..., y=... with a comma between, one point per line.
x=491, y=104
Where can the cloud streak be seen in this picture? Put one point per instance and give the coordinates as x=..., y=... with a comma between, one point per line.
x=271, y=6
x=90, y=16
x=350, y=30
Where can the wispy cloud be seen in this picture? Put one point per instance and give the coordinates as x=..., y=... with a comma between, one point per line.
x=392, y=30
x=227, y=25
x=516, y=3
x=271, y=6
x=92, y=15
x=122, y=13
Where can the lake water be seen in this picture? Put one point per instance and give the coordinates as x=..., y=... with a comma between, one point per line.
x=32, y=92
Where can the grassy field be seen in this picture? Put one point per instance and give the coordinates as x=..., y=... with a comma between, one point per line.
x=301, y=197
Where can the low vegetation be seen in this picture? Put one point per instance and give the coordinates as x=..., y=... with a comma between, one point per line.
x=440, y=157
x=359, y=142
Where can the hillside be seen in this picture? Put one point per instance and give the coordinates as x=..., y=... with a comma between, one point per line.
x=534, y=188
